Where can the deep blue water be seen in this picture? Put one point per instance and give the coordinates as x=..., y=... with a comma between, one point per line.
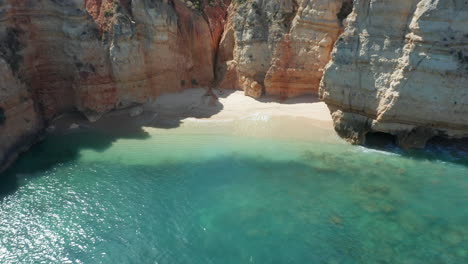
x=194, y=198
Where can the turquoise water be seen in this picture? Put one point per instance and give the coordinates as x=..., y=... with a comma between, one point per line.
x=162, y=197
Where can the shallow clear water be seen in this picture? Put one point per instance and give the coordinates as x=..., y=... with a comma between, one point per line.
x=162, y=197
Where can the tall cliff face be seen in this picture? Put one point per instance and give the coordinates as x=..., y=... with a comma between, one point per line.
x=398, y=68
x=97, y=55
x=278, y=47
x=402, y=69
x=19, y=121
x=150, y=47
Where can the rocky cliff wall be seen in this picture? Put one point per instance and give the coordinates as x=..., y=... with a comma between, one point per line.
x=398, y=68
x=98, y=55
x=278, y=47
x=401, y=69
x=19, y=121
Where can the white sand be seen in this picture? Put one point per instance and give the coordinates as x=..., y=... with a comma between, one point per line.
x=192, y=111
x=234, y=105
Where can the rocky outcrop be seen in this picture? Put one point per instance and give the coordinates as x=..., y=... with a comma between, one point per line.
x=398, y=68
x=278, y=47
x=98, y=55
x=19, y=121
x=401, y=69
x=152, y=47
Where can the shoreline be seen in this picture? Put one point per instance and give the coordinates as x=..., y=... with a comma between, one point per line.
x=193, y=109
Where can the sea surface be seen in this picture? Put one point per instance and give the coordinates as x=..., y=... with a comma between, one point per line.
x=196, y=194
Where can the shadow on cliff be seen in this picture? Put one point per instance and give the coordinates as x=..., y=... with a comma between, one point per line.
x=437, y=149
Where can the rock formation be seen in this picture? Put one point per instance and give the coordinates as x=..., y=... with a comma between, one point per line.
x=401, y=69
x=278, y=47
x=19, y=121
x=98, y=55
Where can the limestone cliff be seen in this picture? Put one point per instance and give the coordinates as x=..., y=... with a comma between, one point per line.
x=401, y=69
x=98, y=55
x=19, y=121
x=278, y=47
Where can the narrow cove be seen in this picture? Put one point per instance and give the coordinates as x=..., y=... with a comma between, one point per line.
x=227, y=189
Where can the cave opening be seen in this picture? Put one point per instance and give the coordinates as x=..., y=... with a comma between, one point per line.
x=380, y=140
x=346, y=9
x=458, y=144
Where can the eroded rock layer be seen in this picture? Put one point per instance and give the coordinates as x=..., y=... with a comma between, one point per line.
x=402, y=69
x=98, y=55
x=19, y=121
x=278, y=47
x=399, y=68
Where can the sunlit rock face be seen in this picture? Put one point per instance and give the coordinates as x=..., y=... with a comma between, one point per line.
x=48, y=34
x=151, y=47
x=398, y=68
x=278, y=47
x=402, y=69
x=98, y=55
x=164, y=47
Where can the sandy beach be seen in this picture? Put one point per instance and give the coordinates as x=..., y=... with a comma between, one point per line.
x=235, y=105
x=193, y=111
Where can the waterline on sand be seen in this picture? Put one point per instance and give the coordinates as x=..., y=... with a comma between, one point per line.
x=281, y=190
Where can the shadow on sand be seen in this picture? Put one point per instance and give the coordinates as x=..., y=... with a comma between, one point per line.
x=72, y=132
x=99, y=136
